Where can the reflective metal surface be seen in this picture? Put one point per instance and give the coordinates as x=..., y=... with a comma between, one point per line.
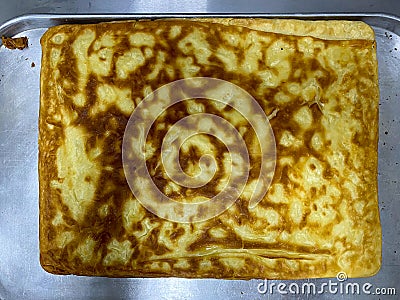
x=21, y=276
x=10, y=9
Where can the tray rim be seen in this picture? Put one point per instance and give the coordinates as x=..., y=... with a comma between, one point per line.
x=98, y=17
x=30, y=21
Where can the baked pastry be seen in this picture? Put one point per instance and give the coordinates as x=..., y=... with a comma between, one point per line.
x=316, y=81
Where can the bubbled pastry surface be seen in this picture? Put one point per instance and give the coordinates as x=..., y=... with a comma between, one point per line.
x=317, y=82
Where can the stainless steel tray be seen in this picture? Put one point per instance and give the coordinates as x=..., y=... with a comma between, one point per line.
x=21, y=276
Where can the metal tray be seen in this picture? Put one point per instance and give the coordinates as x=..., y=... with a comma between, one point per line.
x=21, y=276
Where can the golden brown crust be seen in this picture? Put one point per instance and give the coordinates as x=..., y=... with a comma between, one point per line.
x=316, y=80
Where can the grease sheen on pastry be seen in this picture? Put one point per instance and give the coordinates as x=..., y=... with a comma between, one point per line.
x=316, y=80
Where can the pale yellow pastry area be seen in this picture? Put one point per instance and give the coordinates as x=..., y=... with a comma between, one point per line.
x=317, y=83
x=323, y=29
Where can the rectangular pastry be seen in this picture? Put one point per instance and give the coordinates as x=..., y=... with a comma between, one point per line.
x=317, y=212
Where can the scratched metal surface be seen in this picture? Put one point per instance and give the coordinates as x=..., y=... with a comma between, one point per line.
x=21, y=276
